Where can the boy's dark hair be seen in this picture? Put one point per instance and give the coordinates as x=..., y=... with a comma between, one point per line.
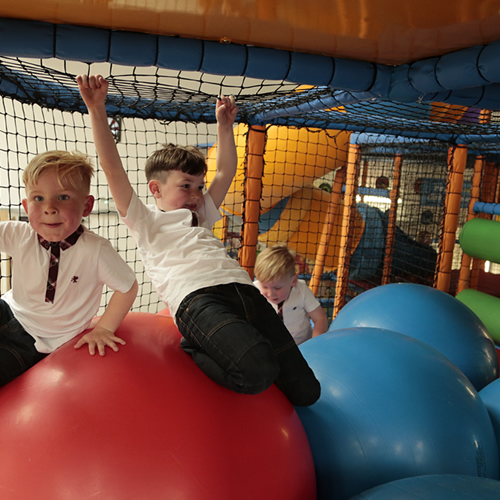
x=187, y=159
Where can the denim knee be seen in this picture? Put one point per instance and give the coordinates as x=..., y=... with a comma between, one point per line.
x=259, y=368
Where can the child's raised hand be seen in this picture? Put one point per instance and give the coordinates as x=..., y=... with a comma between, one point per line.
x=100, y=338
x=93, y=89
x=226, y=110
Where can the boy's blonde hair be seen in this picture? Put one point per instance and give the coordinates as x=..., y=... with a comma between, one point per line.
x=274, y=263
x=187, y=159
x=74, y=166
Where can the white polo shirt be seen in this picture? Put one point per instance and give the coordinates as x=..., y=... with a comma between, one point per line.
x=84, y=269
x=300, y=302
x=180, y=258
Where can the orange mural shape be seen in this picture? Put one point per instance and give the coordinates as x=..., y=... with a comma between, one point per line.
x=293, y=158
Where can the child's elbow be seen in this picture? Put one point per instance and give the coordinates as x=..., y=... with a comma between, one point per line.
x=134, y=289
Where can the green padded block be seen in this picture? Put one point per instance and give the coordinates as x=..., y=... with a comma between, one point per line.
x=486, y=307
x=480, y=238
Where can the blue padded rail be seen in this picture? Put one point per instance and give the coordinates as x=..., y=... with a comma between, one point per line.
x=468, y=77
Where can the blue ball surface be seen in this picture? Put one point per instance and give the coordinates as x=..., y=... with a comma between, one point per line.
x=431, y=316
x=436, y=487
x=391, y=407
x=490, y=396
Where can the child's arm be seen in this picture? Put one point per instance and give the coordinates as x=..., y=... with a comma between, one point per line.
x=227, y=158
x=93, y=90
x=318, y=317
x=103, y=333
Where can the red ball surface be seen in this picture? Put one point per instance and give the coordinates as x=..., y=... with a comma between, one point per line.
x=146, y=423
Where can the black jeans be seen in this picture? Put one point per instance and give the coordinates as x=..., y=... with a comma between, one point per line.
x=17, y=348
x=237, y=339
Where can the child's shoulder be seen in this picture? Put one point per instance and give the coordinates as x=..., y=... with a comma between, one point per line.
x=301, y=284
x=97, y=248
x=302, y=289
x=17, y=228
x=89, y=238
x=17, y=238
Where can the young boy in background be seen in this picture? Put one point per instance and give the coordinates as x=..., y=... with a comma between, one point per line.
x=59, y=268
x=232, y=333
x=291, y=298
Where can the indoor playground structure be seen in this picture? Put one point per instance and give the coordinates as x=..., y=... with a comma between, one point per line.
x=368, y=140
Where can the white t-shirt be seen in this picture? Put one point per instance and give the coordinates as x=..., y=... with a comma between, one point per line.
x=180, y=258
x=300, y=302
x=84, y=269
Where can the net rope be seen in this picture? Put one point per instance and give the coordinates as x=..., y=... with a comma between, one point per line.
x=41, y=109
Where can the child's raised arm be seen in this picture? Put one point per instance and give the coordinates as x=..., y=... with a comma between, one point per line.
x=227, y=158
x=94, y=90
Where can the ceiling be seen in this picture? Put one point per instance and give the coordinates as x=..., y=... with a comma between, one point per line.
x=383, y=31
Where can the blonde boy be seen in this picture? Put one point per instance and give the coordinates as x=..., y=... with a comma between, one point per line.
x=59, y=268
x=228, y=328
x=290, y=297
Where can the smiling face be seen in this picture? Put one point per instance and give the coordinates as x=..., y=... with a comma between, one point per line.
x=55, y=207
x=180, y=190
x=278, y=290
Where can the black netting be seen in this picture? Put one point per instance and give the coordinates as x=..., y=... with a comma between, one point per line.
x=308, y=136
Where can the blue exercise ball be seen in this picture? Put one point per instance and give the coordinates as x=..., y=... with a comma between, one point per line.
x=435, y=487
x=391, y=407
x=431, y=316
x=491, y=398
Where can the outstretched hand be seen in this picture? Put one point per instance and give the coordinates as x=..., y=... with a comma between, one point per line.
x=93, y=89
x=100, y=338
x=226, y=110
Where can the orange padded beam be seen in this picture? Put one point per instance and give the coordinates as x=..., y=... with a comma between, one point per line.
x=457, y=159
x=391, y=228
x=328, y=229
x=256, y=140
x=351, y=189
x=463, y=280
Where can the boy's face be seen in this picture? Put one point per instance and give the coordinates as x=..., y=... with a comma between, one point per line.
x=55, y=212
x=179, y=191
x=279, y=290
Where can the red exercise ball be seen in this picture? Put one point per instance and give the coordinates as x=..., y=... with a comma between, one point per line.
x=146, y=423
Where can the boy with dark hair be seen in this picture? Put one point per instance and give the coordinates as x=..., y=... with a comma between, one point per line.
x=230, y=330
